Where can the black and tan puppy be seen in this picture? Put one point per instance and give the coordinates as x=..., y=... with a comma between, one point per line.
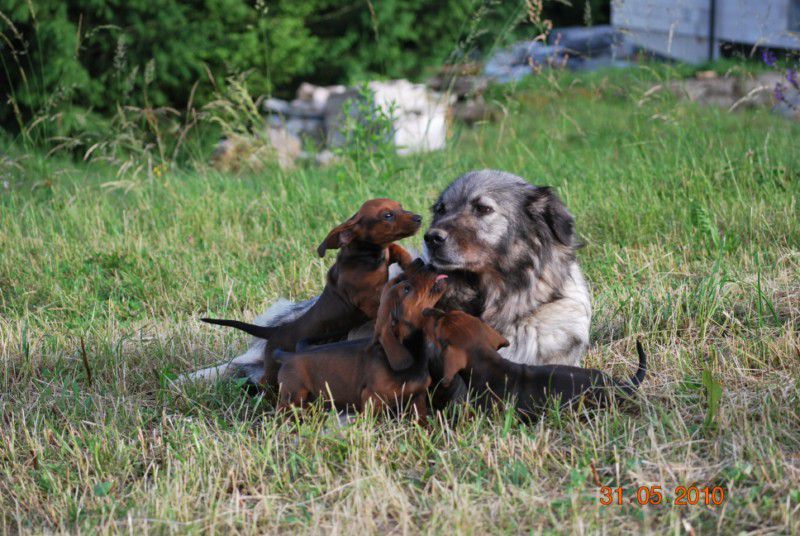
x=354, y=283
x=389, y=370
x=468, y=347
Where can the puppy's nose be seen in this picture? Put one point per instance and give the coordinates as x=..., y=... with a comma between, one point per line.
x=435, y=238
x=416, y=218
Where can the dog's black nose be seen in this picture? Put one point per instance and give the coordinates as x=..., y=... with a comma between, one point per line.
x=416, y=218
x=435, y=238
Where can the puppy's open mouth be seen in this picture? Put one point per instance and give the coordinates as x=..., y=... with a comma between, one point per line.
x=439, y=284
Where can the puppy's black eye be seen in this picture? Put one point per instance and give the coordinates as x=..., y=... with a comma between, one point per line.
x=439, y=208
x=406, y=289
x=388, y=216
x=483, y=209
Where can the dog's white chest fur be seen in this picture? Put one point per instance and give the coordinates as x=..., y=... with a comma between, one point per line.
x=555, y=333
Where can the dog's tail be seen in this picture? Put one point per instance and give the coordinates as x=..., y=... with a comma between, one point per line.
x=262, y=332
x=630, y=387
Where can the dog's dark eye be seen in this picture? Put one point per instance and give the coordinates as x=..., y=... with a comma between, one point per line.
x=406, y=289
x=483, y=209
x=439, y=208
x=388, y=216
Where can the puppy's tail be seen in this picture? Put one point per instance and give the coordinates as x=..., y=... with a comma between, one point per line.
x=262, y=332
x=630, y=387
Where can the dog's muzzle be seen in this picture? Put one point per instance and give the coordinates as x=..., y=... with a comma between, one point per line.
x=435, y=239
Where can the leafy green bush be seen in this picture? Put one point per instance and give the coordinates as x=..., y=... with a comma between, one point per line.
x=98, y=54
x=69, y=63
x=578, y=12
x=400, y=38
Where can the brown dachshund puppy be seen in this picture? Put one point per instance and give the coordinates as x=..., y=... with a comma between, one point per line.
x=354, y=283
x=390, y=369
x=468, y=346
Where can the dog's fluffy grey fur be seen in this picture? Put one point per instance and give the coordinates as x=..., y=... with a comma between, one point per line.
x=509, y=248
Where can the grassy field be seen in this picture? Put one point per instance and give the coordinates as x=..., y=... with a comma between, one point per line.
x=690, y=220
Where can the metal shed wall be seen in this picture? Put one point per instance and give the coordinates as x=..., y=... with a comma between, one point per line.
x=680, y=28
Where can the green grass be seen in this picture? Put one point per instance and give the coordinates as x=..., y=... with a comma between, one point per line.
x=689, y=217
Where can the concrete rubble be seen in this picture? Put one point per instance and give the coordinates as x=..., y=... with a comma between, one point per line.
x=317, y=114
x=316, y=117
x=739, y=92
x=575, y=48
x=253, y=153
x=465, y=86
x=420, y=115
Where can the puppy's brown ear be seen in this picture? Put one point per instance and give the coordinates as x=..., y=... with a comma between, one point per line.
x=415, y=265
x=545, y=205
x=398, y=355
x=494, y=338
x=454, y=361
x=433, y=312
x=340, y=236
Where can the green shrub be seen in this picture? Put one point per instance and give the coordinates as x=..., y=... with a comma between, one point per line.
x=65, y=62
x=97, y=54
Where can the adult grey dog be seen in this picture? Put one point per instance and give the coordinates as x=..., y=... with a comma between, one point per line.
x=509, y=249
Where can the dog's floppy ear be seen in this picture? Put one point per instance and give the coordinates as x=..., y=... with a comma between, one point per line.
x=340, y=236
x=398, y=355
x=494, y=338
x=433, y=312
x=415, y=265
x=454, y=361
x=544, y=203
